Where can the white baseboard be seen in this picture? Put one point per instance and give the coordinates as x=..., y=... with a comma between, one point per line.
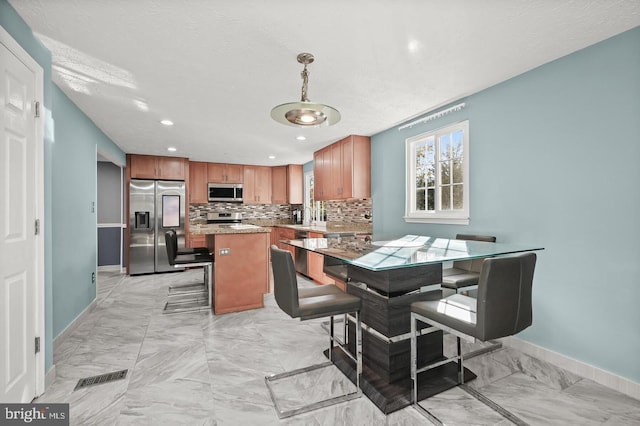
x=60, y=338
x=50, y=377
x=109, y=268
x=598, y=375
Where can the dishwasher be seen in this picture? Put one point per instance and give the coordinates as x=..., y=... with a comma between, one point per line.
x=301, y=254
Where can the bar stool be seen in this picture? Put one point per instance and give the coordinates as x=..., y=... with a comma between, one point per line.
x=317, y=302
x=503, y=308
x=189, y=250
x=189, y=297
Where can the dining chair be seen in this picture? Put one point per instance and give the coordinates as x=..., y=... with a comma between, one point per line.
x=464, y=273
x=503, y=308
x=311, y=303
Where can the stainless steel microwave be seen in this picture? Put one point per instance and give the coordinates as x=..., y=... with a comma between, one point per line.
x=225, y=192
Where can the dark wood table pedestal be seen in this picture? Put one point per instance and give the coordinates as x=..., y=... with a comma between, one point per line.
x=386, y=346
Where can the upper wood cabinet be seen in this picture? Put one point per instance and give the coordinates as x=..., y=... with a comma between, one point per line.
x=198, y=192
x=225, y=173
x=257, y=185
x=343, y=169
x=286, y=184
x=154, y=167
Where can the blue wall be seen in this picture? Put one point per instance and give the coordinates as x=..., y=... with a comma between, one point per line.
x=74, y=208
x=70, y=186
x=554, y=162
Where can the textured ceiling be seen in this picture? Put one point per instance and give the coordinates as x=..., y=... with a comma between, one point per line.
x=216, y=68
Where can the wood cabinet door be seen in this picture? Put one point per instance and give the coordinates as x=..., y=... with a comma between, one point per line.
x=318, y=176
x=242, y=275
x=328, y=192
x=262, y=184
x=143, y=166
x=170, y=168
x=335, y=191
x=346, y=168
x=287, y=234
x=248, y=192
x=216, y=172
x=198, y=192
x=279, y=185
x=274, y=237
x=361, y=167
x=225, y=173
x=234, y=173
x=295, y=184
x=197, y=240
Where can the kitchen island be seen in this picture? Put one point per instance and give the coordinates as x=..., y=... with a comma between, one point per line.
x=241, y=265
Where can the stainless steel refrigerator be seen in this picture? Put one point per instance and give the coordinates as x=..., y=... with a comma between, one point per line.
x=154, y=207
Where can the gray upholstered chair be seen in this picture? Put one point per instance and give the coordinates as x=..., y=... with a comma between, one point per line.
x=188, y=297
x=502, y=308
x=310, y=303
x=464, y=273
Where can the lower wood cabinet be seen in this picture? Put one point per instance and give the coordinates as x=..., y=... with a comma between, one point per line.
x=197, y=240
x=315, y=262
x=287, y=234
x=241, y=271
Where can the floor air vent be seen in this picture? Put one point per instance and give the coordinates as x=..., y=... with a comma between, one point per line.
x=103, y=378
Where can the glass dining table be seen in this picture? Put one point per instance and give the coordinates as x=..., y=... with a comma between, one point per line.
x=388, y=276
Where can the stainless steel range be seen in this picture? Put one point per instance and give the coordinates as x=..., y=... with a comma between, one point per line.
x=224, y=218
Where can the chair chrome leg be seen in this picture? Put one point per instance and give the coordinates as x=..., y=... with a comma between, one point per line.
x=495, y=345
x=358, y=351
x=330, y=401
x=414, y=359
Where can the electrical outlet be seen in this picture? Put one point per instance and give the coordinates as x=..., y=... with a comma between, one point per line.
x=93, y=277
x=224, y=252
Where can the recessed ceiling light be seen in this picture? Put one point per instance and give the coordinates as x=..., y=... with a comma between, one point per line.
x=301, y=138
x=413, y=45
x=272, y=157
x=166, y=122
x=171, y=149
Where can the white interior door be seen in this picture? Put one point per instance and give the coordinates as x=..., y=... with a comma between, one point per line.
x=18, y=250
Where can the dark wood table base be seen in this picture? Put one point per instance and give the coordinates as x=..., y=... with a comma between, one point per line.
x=393, y=396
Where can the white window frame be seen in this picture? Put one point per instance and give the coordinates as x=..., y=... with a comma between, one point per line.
x=312, y=210
x=453, y=217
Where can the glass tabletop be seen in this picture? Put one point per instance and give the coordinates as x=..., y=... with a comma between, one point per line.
x=407, y=251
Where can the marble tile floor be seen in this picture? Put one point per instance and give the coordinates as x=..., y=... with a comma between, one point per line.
x=202, y=369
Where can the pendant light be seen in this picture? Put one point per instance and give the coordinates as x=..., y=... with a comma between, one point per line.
x=305, y=113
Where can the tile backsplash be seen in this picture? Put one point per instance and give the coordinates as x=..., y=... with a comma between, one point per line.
x=357, y=211
x=275, y=212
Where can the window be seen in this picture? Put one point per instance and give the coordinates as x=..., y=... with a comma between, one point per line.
x=438, y=176
x=314, y=212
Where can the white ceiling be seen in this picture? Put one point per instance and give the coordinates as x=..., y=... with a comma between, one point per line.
x=216, y=68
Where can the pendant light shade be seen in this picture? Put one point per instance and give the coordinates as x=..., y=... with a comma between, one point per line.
x=305, y=113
